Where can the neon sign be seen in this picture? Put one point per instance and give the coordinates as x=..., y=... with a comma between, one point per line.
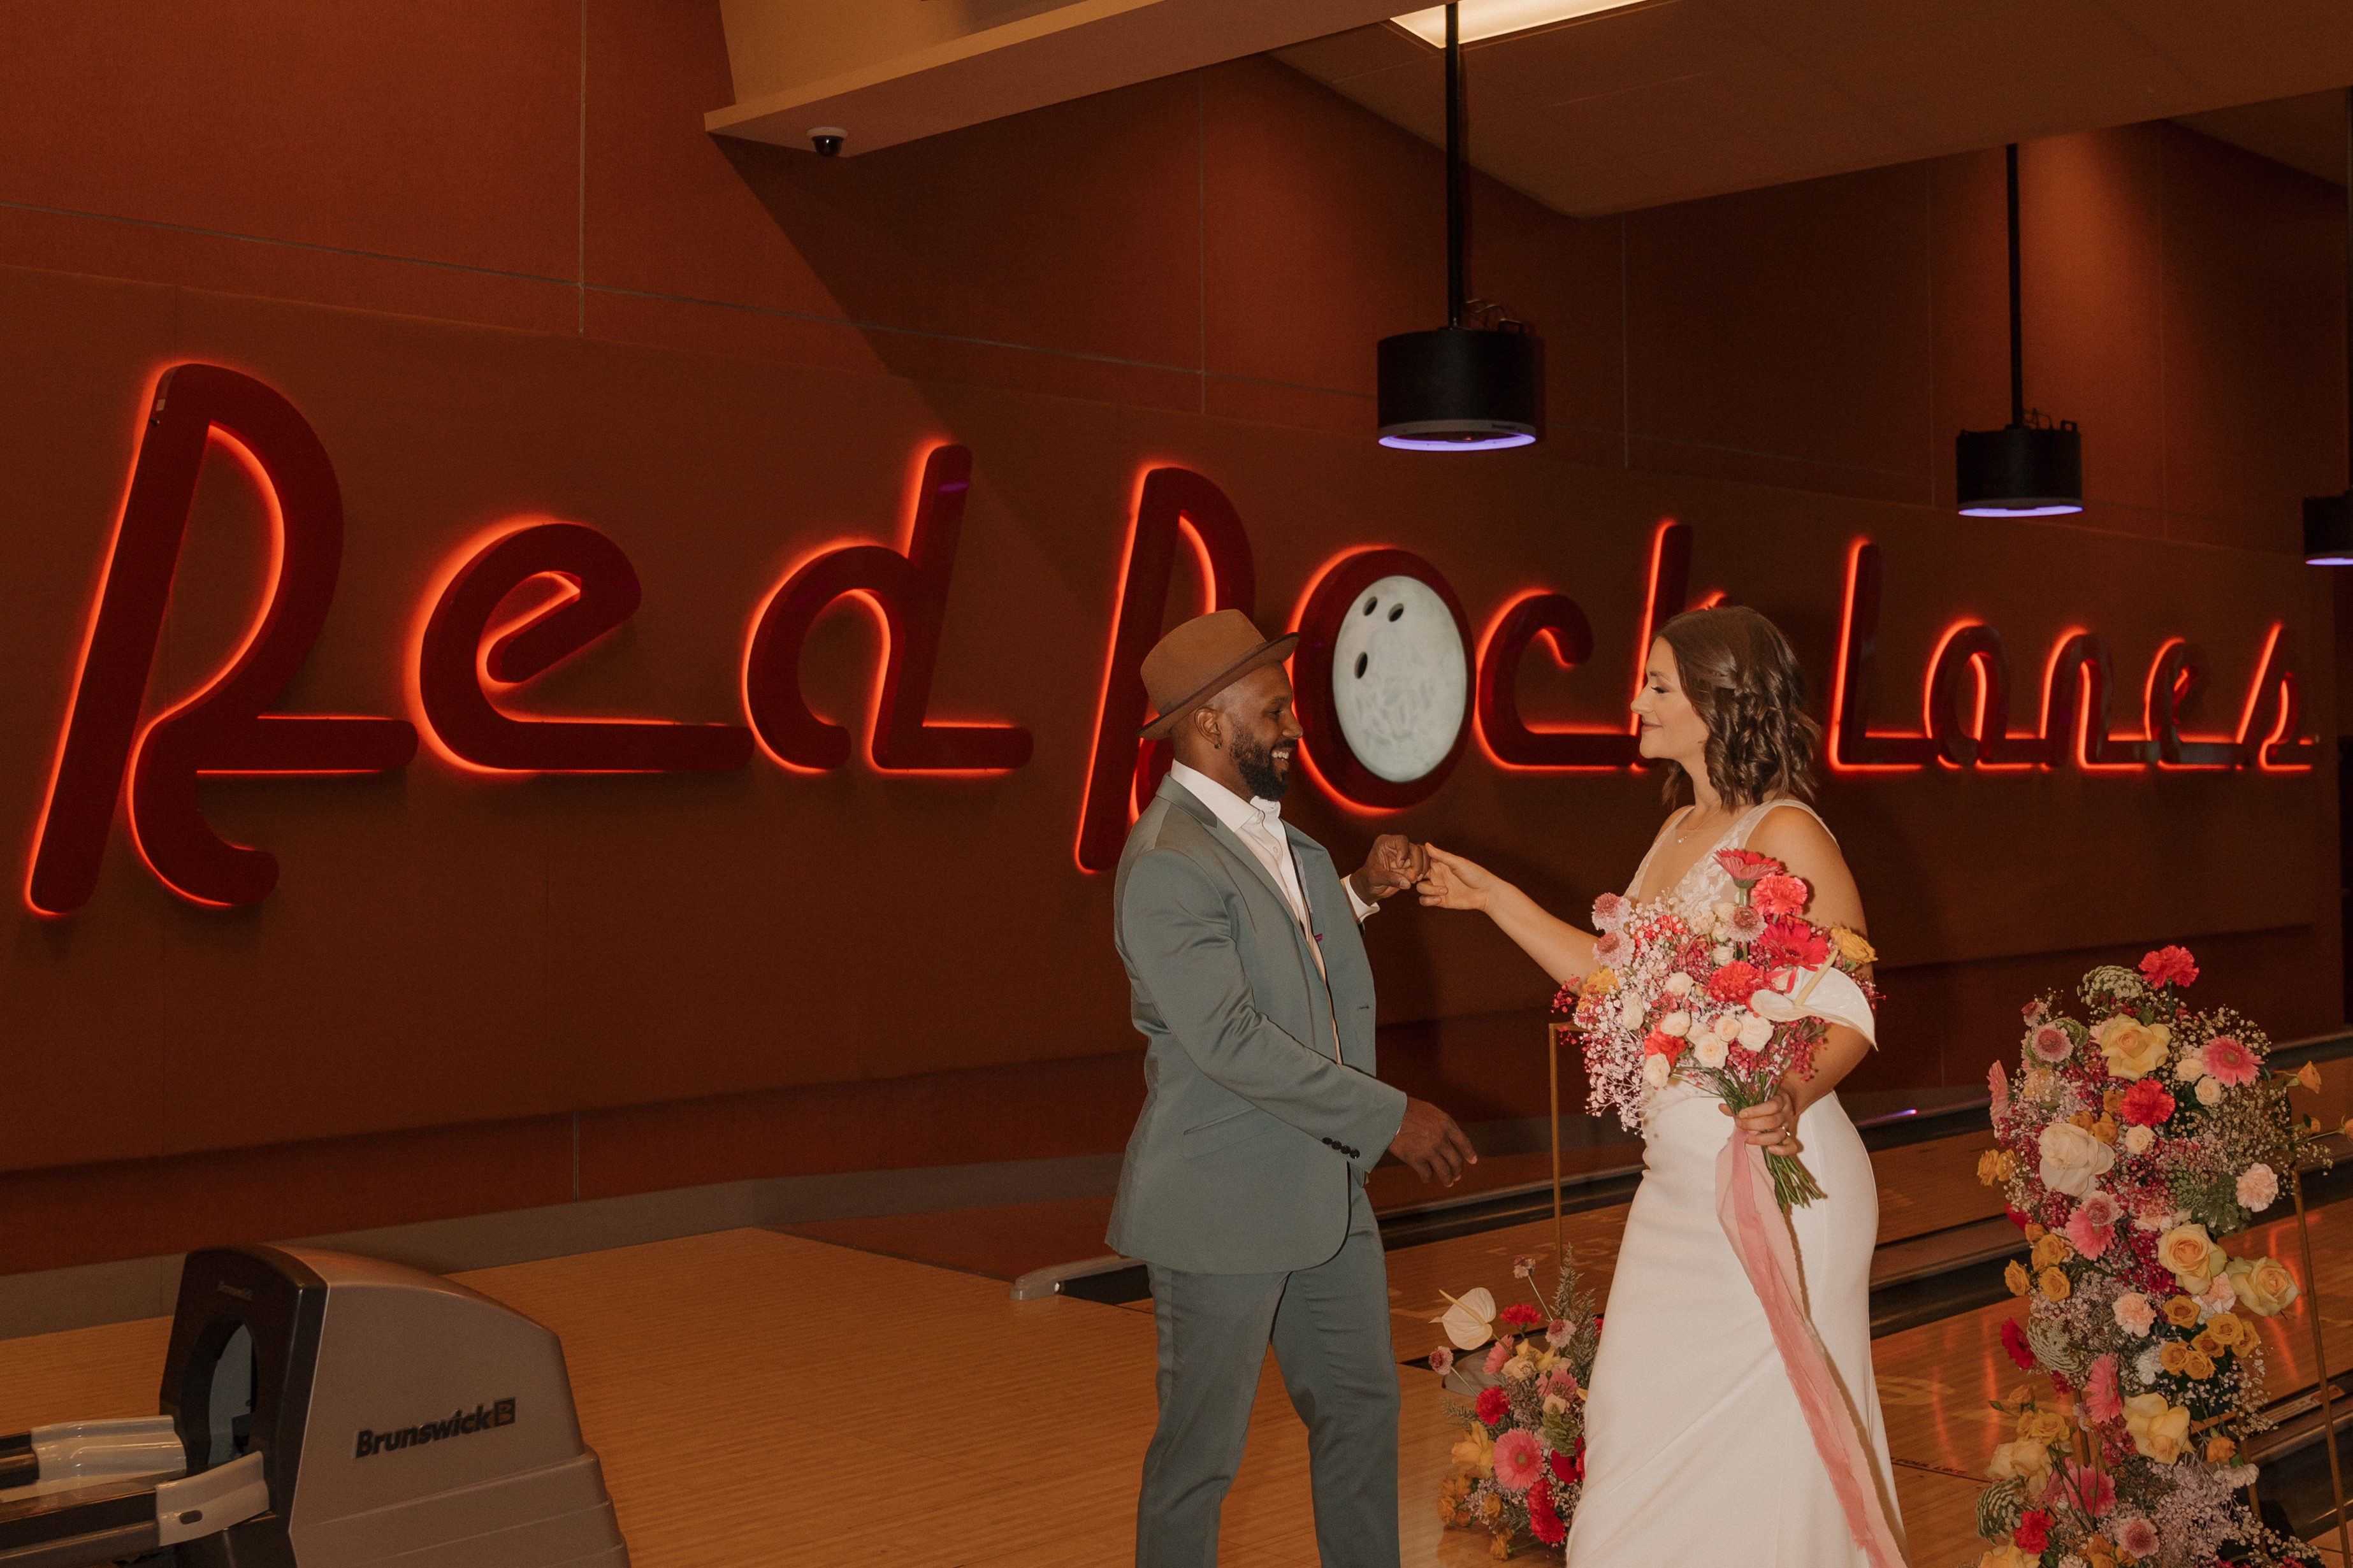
x=2079, y=687
x=467, y=667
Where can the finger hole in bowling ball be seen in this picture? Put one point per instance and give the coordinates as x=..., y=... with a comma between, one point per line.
x=1362, y=660
x=1397, y=611
x=1371, y=605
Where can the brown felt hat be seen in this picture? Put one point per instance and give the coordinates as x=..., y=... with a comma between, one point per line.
x=1200, y=659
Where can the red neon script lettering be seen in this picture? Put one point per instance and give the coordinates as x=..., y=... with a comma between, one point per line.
x=222, y=729
x=452, y=667
x=911, y=593
x=1172, y=500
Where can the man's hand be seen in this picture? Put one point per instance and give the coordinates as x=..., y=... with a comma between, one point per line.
x=1428, y=1141
x=1396, y=864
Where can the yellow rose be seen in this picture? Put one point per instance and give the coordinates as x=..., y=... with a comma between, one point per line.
x=2035, y=1232
x=2202, y=1365
x=2157, y=1430
x=1852, y=947
x=1500, y=1548
x=2191, y=1254
x=2105, y=1129
x=1600, y=982
x=2180, y=1311
x=2263, y=1285
x=2228, y=1329
x=2055, y=1284
x=2024, y=1460
x=2006, y=1555
x=2043, y=1426
x=2134, y=1049
x=2015, y=1276
x=2207, y=1344
x=1994, y=1167
x=2218, y=1449
x=2052, y=1248
x=2308, y=1076
x=1492, y=1506
x=2173, y=1357
x=2111, y=1101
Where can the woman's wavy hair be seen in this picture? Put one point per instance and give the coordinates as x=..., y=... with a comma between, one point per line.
x=1743, y=678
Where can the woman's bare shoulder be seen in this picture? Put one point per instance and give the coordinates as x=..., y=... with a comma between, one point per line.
x=1791, y=832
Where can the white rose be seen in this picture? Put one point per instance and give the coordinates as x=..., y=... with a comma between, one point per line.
x=2138, y=1138
x=1724, y=909
x=2190, y=1068
x=1723, y=954
x=1677, y=1024
x=1630, y=1013
x=1679, y=983
x=2073, y=1159
x=1756, y=1031
x=1726, y=1028
x=1655, y=1070
x=1710, y=1052
x=1554, y=1404
x=2209, y=1091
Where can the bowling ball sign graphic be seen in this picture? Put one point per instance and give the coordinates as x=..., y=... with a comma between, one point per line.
x=1399, y=677
x=1383, y=678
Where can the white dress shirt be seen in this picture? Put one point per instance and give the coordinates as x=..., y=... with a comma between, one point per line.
x=1257, y=823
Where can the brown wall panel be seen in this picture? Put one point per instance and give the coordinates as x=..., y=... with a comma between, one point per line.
x=447, y=947
x=769, y=972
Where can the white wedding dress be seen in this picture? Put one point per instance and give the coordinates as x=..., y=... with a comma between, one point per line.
x=1697, y=1451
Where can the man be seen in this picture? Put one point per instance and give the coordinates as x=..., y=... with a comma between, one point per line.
x=1243, y=1189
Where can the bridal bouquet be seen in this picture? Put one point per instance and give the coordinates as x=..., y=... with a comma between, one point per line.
x=1521, y=1463
x=2127, y=1147
x=1735, y=998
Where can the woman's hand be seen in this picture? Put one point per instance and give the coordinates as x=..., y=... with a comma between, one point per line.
x=1772, y=1125
x=1454, y=883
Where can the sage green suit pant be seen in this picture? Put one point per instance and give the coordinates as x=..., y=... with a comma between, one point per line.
x=1329, y=1326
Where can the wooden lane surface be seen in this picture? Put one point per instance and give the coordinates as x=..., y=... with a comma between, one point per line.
x=1923, y=1187
x=759, y=1399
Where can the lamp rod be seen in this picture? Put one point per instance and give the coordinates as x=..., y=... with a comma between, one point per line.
x=2017, y=326
x=2349, y=286
x=1453, y=168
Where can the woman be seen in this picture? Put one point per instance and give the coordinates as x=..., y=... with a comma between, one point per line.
x=1698, y=1449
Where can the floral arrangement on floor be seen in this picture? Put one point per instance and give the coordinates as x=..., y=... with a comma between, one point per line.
x=2126, y=1149
x=1521, y=1463
x=1723, y=1001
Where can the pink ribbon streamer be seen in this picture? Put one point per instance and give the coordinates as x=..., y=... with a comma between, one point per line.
x=1751, y=1219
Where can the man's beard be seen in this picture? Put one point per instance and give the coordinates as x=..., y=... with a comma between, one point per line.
x=1255, y=762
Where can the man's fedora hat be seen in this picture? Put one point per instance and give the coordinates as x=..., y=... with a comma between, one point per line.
x=1200, y=659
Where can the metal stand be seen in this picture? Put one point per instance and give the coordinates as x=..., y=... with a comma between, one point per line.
x=2320, y=1362
x=1552, y=1057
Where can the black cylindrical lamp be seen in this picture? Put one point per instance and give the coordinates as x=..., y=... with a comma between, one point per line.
x=2329, y=530
x=1457, y=388
x=1460, y=389
x=2030, y=467
x=2019, y=471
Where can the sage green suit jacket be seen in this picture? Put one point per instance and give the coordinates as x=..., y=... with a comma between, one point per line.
x=1254, y=1135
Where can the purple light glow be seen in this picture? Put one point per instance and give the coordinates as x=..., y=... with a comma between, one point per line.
x=1478, y=444
x=2058, y=509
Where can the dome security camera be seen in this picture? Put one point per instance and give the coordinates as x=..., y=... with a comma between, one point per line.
x=828, y=140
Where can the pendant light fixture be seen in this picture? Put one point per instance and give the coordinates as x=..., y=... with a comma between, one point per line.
x=2328, y=520
x=2029, y=468
x=1459, y=389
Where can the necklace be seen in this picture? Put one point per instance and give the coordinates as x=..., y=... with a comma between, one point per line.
x=1688, y=830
